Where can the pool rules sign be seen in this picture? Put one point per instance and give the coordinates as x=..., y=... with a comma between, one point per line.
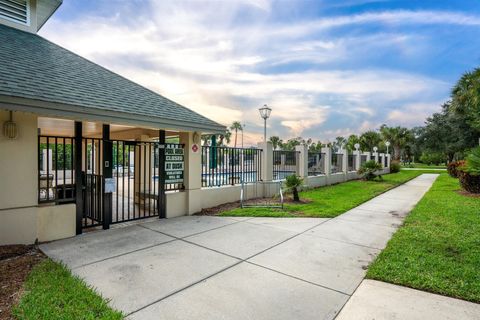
x=174, y=163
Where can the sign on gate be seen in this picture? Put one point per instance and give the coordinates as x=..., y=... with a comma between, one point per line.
x=174, y=163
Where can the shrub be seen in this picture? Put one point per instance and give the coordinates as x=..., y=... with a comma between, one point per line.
x=469, y=174
x=394, y=167
x=473, y=162
x=369, y=168
x=453, y=168
x=292, y=183
x=432, y=158
x=469, y=182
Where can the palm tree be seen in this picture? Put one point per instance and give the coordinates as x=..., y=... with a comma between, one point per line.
x=370, y=139
x=466, y=97
x=351, y=141
x=399, y=137
x=276, y=142
x=236, y=126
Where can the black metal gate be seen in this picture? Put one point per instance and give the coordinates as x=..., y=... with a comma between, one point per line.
x=136, y=186
x=92, y=182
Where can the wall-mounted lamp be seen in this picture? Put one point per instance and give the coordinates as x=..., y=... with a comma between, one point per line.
x=196, y=137
x=10, y=130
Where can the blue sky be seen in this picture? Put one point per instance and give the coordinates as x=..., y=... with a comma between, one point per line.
x=326, y=68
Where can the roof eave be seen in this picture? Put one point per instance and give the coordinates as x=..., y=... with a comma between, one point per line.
x=82, y=113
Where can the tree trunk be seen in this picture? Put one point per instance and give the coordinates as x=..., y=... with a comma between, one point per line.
x=236, y=138
x=396, y=152
x=296, y=198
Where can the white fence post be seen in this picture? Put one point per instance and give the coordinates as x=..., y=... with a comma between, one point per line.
x=358, y=158
x=327, y=162
x=302, y=166
x=192, y=174
x=267, y=160
x=344, y=163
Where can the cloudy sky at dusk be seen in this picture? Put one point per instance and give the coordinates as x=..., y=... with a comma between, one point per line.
x=326, y=68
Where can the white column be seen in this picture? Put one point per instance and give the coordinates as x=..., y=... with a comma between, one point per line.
x=389, y=158
x=382, y=159
x=302, y=165
x=358, y=159
x=50, y=160
x=344, y=160
x=328, y=161
x=375, y=154
x=267, y=160
x=192, y=173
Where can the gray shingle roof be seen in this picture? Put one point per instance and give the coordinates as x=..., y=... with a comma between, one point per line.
x=32, y=67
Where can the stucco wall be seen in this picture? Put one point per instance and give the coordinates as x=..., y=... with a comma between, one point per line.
x=18, y=163
x=176, y=204
x=22, y=221
x=55, y=222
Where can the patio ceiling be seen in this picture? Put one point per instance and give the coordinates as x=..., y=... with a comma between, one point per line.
x=63, y=127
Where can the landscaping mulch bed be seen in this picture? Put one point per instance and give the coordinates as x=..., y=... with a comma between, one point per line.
x=234, y=205
x=468, y=194
x=16, y=262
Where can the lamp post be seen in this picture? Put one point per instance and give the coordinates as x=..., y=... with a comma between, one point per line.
x=243, y=128
x=265, y=114
x=357, y=146
x=387, y=144
x=375, y=149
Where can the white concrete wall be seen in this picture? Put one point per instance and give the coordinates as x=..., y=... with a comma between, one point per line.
x=55, y=222
x=22, y=221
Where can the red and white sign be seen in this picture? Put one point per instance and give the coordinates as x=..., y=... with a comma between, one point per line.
x=195, y=148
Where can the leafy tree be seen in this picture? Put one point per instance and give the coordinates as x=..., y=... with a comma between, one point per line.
x=399, y=138
x=236, y=126
x=339, y=143
x=292, y=143
x=316, y=146
x=276, y=142
x=351, y=141
x=447, y=132
x=466, y=97
x=369, y=139
x=221, y=139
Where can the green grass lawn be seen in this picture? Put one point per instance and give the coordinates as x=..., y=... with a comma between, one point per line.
x=438, y=248
x=51, y=292
x=330, y=201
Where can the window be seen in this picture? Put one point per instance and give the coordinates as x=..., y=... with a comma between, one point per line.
x=15, y=10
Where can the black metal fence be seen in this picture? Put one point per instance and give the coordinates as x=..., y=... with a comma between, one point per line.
x=92, y=182
x=363, y=159
x=229, y=166
x=56, y=178
x=284, y=163
x=337, y=163
x=316, y=163
x=351, y=166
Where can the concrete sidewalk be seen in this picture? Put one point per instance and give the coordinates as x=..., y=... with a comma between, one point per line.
x=380, y=300
x=238, y=268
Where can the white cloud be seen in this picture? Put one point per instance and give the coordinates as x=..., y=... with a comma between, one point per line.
x=195, y=54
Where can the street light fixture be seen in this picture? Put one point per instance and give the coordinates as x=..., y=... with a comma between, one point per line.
x=357, y=146
x=265, y=114
x=375, y=149
x=387, y=144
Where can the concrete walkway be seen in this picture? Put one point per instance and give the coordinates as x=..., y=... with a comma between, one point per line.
x=238, y=268
x=380, y=300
